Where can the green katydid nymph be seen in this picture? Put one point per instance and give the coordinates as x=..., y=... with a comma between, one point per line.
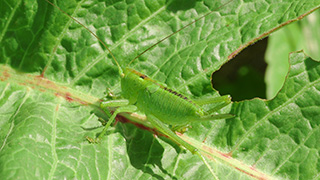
x=166, y=109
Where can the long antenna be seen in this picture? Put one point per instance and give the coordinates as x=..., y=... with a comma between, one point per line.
x=180, y=30
x=119, y=67
x=120, y=70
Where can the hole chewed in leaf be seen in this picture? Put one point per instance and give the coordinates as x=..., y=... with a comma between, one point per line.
x=243, y=76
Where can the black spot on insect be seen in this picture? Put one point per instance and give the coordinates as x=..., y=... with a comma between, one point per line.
x=177, y=94
x=143, y=76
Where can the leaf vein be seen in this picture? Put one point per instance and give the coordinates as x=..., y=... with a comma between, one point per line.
x=61, y=35
x=297, y=147
x=8, y=21
x=299, y=93
x=53, y=142
x=12, y=119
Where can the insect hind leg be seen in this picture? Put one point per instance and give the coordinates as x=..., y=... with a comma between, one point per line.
x=210, y=100
x=216, y=117
x=163, y=128
x=167, y=131
x=215, y=103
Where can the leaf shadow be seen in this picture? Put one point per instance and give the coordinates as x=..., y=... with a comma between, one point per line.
x=178, y=5
x=144, y=150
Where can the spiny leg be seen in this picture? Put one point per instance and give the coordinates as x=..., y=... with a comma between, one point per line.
x=219, y=102
x=211, y=100
x=163, y=128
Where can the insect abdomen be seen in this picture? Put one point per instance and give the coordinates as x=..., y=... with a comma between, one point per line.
x=168, y=107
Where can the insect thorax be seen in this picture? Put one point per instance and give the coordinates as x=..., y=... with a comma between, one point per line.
x=132, y=83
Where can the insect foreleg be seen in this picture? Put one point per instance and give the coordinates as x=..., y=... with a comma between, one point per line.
x=112, y=103
x=124, y=107
x=181, y=129
x=110, y=94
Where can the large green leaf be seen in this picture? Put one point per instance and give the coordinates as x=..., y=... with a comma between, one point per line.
x=53, y=74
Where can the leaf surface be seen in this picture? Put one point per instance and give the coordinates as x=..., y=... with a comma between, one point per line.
x=53, y=74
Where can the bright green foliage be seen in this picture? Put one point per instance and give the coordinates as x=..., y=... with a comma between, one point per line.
x=44, y=122
x=304, y=35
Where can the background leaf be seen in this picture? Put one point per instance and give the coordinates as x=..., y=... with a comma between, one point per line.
x=53, y=74
x=299, y=35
